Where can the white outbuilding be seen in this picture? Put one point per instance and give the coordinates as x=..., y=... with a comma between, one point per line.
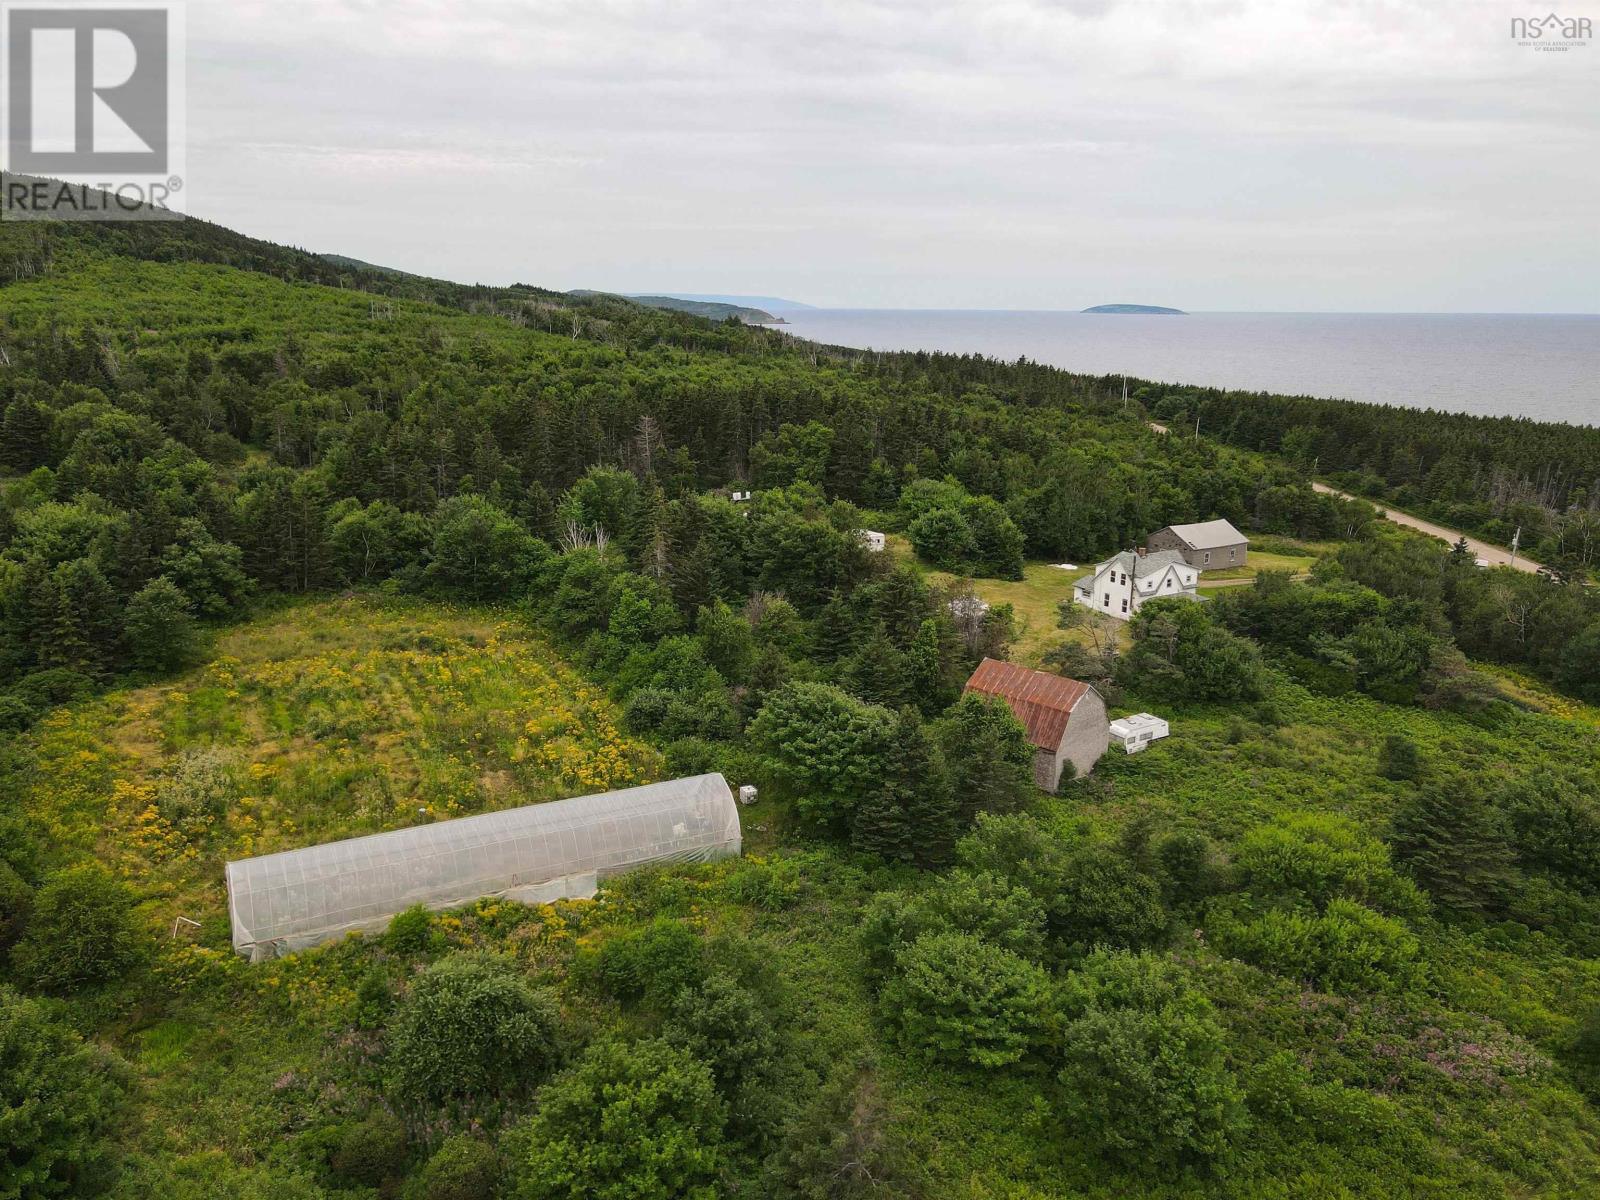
x=285, y=902
x=872, y=540
x=1135, y=733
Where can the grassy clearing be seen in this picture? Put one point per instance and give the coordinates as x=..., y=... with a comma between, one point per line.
x=1263, y=560
x=1035, y=598
x=322, y=721
x=1043, y=586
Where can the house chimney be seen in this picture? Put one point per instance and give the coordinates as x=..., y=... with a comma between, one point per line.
x=1141, y=551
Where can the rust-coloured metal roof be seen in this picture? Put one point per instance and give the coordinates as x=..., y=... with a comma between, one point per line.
x=1041, y=701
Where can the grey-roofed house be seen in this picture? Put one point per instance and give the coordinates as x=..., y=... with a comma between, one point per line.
x=1121, y=585
x=1205, y=546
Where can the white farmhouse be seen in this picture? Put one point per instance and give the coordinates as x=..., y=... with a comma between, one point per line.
x=1120, y=585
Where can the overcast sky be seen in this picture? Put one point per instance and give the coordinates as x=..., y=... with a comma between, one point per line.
x=1210, y=154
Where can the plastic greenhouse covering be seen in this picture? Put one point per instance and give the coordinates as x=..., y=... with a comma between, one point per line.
x=285, y=902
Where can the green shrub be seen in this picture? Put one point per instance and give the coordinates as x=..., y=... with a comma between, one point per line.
x=471, y=1026
x=770, y=886
x=57, y=1096
x=1313, y=858
x=639, y=1121
x=977, y=902
x=723, y=1024
x=1583, y=1052
x=372, y=1151
x=1192, y=867
x=957, y=998
x=211, y=1175
x=1348, y=948
x=943, y=538
x=56, y=685
x=480, y=550
x=653, y=963
x=411, y=931
x=374, y=1000
x=1555, y=826
x=81, y=933
x=845, y=1144
x=1181, y=651
x=1282, y=1092
x=16, y=903
x=16, y=714
x=1399, y=759
x=1143, y=1064
x=464, y=1168
x=159, y=627
x=1099, y=898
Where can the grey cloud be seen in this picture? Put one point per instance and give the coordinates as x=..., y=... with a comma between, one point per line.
x=1367, y=154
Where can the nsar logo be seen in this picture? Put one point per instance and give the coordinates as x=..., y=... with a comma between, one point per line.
x=1552, y=32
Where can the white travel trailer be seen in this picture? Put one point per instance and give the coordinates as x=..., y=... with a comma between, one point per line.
x=1135, y=733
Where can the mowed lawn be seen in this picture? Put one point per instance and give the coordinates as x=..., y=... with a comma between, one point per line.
x=1037, y=596
x=1035, y=599
x=1264, y=560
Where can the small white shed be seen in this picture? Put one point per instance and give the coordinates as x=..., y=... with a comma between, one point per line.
x=1135, y=733
x=872, y=540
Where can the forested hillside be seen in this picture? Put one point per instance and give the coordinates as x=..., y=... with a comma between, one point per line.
x=292, y=550
x=1490, y=475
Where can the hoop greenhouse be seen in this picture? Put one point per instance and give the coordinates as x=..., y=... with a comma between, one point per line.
x=300, y=898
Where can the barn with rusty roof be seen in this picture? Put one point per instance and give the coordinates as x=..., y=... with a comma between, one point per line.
x=1065, y=719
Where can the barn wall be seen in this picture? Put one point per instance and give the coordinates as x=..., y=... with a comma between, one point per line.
x=1086, y=738
x=1046, y=772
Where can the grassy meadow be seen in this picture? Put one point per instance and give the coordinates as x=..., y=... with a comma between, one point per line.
x=323, y=720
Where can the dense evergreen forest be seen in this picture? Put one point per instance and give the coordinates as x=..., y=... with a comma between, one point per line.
x=292, y=550
x=1489, y=475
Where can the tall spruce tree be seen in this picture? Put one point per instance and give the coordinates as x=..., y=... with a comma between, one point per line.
x=1455, y=845
x=910, y=817
x=989, y=758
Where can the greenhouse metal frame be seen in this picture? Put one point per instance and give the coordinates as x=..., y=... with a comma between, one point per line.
x=289, y=901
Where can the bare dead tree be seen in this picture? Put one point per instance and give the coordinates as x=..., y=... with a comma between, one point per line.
x=575, y=536
x=647, y=440
x=1514, y=608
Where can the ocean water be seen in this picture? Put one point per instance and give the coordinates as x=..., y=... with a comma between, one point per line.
x=1544, y=367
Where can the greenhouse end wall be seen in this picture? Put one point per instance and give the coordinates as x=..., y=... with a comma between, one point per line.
x=280, y=903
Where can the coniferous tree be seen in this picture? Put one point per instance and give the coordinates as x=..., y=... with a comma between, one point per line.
x=988, y=756
x=911, y=816
x=82, y=633
x=877, y=671
x=24, y=435
x=1455, y=845
x=834, y=629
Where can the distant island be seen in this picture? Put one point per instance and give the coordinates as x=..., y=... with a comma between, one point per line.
x=716, y=310
x=1149, y=309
